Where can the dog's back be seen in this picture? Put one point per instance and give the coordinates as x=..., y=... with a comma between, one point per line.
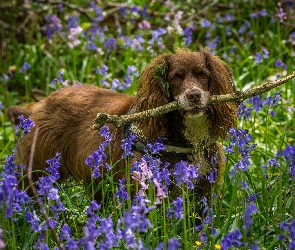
x=64, y=119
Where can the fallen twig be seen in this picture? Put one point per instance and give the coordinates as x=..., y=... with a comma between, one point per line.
x=238, y=97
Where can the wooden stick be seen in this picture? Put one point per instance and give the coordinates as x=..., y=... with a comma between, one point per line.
x=238, y=97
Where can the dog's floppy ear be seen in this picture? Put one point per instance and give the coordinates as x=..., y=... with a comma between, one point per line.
x=153, y=89
x=221, y=82
x=15, y=112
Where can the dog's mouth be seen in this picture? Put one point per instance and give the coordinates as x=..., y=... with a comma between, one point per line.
x=200, y=109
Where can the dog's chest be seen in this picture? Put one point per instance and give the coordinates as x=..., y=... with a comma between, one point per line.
x=197, y=130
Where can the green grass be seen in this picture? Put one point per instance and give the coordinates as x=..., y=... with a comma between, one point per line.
x=275, y=194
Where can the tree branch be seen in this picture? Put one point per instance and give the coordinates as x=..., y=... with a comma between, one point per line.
x=238, y=97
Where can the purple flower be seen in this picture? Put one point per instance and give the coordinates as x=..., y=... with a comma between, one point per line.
x=265, y=53
x=127, y=145
x=232, y=239
x=205, y=23
x=97, y=11
x=176, y=210
x=25, y=67
x=289, y=154
x=96, y=159
x=131, y=73
x=1, y=106
x=281, y=14
x=72, y=22
x=134, y=221
x=211, y=177
x=34, y=221
x=258, y=58
x=247, y=216
x=244, y=112
x=252, y=197
x=103, y=70
x=9, y=166
x=173, y=244
x=254, y=15
x=244, y=27
x=257, y=103
x=279, y=63
x=263, y=12
x=184, y=173
x=188, y=31
x=53, y=24
x=2, y=244
x=25, y=124
x=116, y=84
x=122, y=193
x=110, y=44
x=158, y=33
x=154, y=148
x=11, y=199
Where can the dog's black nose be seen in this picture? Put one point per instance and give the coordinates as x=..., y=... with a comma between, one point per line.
x=194, y=96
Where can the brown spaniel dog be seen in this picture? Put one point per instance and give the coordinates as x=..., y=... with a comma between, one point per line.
x=190, y=133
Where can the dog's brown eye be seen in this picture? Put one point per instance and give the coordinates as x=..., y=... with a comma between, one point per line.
x=203, y=76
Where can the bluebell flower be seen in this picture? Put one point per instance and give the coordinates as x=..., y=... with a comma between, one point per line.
x=25, y=67
x=254, y=15
x=122, y=193
x=214, y=42
x=263, y=12
x=173, y=244
x=103, y=70
x=228, y=31
x=96, y=159
x=97, y=10
x=53, y=24
x=211, y=177
x=116, y=84
x=265, y=53
x=9, y=166
x=34, y=221
x=92, y=208
x=1, y=106
x=247, y=216
x=122, y=11
x=232, y=239
x=72, y=22
x=289, y=154
x=106, y=230
x=188, y=31
x=244, y=112
x=127, y=145
x=279, y=63
x=258, y=58
x=244, y=27
x=25, y=125
x=176, y=210
x=154, y=148
x=131, y=73
x=257, y=103
x=185, y=173
x=133, y=221
x=252, y=197
x=205, y=23
x=2, y=244
x=158, y=33
x=11, y=199
x=110, y=44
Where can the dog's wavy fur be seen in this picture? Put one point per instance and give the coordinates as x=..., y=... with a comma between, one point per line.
x=64, y=117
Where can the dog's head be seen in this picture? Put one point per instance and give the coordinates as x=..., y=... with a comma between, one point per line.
x=189, y=78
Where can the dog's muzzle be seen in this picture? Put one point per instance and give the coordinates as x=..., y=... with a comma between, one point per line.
x=193, y=99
